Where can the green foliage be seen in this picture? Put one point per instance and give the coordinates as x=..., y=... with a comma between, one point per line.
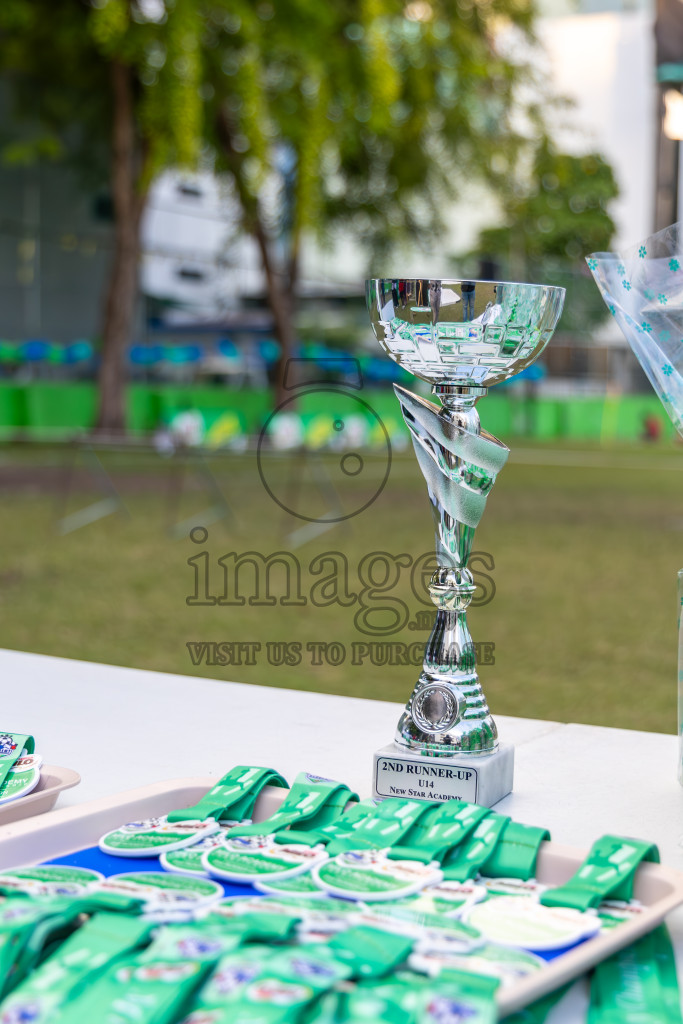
x=27, y=151
x=556, y=215
x=109, y=27
x=56, y=84
x=113, y=85
x=560, y=211
x=367, y=112
x=56, y=55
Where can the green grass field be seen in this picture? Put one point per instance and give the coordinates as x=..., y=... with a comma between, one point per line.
x=585, y=547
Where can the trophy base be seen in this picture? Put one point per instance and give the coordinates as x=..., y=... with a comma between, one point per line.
x=478, y=780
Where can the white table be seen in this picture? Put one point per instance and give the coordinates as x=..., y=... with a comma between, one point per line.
x=122, y=728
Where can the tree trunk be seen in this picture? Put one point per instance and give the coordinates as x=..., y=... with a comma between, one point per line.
x=281, y=299
x=122, y=289
x=280, y=290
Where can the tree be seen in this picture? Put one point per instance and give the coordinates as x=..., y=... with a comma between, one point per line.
x=366, y=114
x=113, y=87
x=362, y=113
x=556, y=214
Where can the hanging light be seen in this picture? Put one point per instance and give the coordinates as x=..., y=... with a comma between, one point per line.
x=673, y=114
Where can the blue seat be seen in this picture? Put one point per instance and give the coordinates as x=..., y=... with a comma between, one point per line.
x=145, y=355
x=35, y=351
x=78, y=352
x=269, y=350
x=183, y=354
x=229, y=349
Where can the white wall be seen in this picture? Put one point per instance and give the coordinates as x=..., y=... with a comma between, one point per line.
x=605, y=63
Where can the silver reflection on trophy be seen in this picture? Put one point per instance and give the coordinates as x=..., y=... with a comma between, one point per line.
x=461, y=337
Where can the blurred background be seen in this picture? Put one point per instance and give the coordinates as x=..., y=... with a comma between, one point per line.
x=191, y=194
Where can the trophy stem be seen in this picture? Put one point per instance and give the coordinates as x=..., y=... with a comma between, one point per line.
x=447, y=713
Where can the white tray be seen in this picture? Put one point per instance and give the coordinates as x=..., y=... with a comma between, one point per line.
x=53, y=780
x=658, y=888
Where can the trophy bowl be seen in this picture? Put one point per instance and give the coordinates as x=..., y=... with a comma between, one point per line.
x=461, y=336
x=467, y=333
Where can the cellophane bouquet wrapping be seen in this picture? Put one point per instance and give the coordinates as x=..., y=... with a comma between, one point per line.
x=643, y=289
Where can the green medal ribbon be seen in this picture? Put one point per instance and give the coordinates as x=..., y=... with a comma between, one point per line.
x=25, y=927
x=215, y=1000
x=471, y=856
x=151, y=987
x=28, y=927
x=233, y=797
x=515, y=855
x=156, y=984
x=11, y=746
x=360, y=866
x=476, y=993
x=308, y=975
x=637, y=985
x=389, y=823
x=407, y=998
x=389, y=1000
x=436, y=834
x=311, y=804
x=344, y=826
x=260, y=985
x=608, y=872
x=93, y=902
x=370, y=952
x=75, y=965
x=265, y=927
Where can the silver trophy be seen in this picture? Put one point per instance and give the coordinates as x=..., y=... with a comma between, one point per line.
x=461, y=337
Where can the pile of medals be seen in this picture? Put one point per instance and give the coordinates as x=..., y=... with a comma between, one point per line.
x=401, y=911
